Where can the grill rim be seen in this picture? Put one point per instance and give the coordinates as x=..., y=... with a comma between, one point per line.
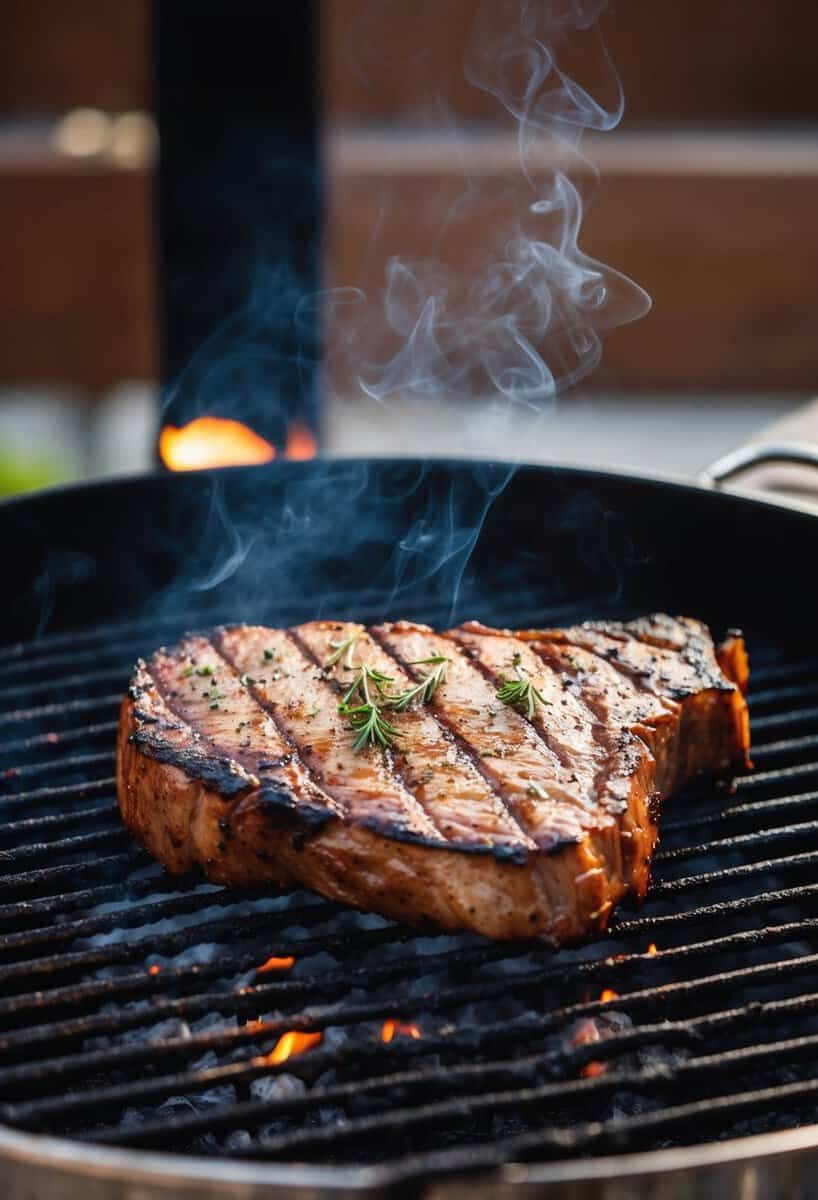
x=160, y=1173
x=700, y=486
x=167, y=1174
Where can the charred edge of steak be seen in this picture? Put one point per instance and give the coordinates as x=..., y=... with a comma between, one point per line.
x=284, y=810
x=218, y=773
x=502, y=851
x=695, y=647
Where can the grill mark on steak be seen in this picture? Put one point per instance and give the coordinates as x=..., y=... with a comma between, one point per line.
x=305, y=706
x=340, y=679
x=638, y=725
x=585, y=745
x=687, y=729
x=617, y=699
x=638, y=665
x=608, y=766
x=566, y=725
x=223, y=715
x=519, y=765
x=672, y=658
x=686, y=639
x=165, y=737
x=380, y=635
x=456, y=797
x=549, y=892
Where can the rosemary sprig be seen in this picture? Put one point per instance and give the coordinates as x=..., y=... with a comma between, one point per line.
x=362, y=703
x=342, y=650
x=372, y=728
x=426, y=686
x=521, y=692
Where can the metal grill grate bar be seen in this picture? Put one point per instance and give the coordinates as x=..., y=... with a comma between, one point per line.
x=26, y=881
x=70, y=707
x=31, y=690
x=755, y=808
x=99, y=731
x=65, y=765
x=803, y=832
x=57, y=795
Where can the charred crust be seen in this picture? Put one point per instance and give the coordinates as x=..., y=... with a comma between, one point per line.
x=145, y=717
x=283, y=810
x=272, y=763
x=217, y=773
x=503, y=852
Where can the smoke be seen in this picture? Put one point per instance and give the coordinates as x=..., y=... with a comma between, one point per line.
x=519, y=316
x=506, y=319
x=343, y=538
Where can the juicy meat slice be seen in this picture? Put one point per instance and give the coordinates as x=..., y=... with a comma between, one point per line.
x=513, y=820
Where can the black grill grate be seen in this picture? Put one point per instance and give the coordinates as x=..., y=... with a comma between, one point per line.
x=132, y=1010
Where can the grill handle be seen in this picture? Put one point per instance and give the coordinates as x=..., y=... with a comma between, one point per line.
x=738, y=461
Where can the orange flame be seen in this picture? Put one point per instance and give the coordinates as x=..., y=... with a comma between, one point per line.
x=592, y=1069
x=607, y=995
x=154, y=970
x=393, y=1029
x=300, y=442
x=651, y=950
x=277, y=964
x=212, y=442
x=290, y=1044
x=586, y=1032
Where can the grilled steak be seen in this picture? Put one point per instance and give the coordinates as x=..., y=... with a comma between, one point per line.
x=526, y=815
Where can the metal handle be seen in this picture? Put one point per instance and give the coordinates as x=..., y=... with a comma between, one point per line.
x=738, y=461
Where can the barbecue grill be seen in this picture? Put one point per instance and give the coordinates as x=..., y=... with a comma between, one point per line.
x=142, y=1042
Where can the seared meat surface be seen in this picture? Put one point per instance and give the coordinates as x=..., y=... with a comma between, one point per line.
x=518, y=817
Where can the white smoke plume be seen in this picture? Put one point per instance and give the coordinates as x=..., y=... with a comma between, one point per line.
x=522, y=319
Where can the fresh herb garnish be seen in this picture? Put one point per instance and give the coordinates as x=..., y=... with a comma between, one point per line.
x=426, y=686
x=268, y=654
x=520, y=692
x=367, y=697
x=362, y=704
x=246, y=680
x=205, y=670
x=342, y=650
x=188, y=671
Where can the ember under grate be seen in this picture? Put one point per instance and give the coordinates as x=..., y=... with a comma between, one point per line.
x=133, y=1009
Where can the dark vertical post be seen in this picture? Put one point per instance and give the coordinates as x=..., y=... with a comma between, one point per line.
x=239, y=210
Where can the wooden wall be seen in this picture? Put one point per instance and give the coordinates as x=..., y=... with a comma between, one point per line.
x=721, y=230
x=679, y=60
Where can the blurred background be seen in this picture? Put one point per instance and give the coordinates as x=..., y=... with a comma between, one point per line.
x=708, y=198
